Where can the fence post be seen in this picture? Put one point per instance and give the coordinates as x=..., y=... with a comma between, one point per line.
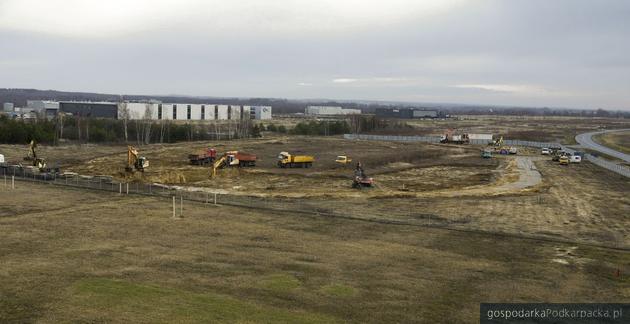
x=12, y=182
x=173, y=206
x=127, y=187
x=215, y=198
x=120, y=188
x=181, y=205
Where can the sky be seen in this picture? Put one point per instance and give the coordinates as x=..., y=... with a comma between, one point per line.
x=541, y=53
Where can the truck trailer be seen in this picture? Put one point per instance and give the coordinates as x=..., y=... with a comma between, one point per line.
x=286, y=160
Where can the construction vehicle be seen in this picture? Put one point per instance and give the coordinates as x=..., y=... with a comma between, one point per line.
x=361, y=180
x=134, y=161
x=498, y=142
x=343, y=159
x=564, y=160
x=559, y=154
x=202, y=157
x=286, y=160
x=486, y=154
x=234, y=159
x=37, y=162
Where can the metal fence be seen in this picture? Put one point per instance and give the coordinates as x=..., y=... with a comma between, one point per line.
x=370, y=210
x=614, y=167
x=617, y=168
x=436, y=139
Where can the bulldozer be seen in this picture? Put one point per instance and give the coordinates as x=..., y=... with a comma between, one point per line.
x=361, y=180
x=37, y=162
x=134, y=161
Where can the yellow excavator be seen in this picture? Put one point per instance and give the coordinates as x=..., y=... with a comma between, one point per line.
x=499, y=141
x=32, y=156
x=134, y=161
x=218, y=164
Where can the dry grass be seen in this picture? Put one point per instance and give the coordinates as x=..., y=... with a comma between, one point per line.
x=619, y=141
x=93, y=257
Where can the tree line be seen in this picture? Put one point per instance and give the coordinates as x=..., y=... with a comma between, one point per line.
x=98, y=130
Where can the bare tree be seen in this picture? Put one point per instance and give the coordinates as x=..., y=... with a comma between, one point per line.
x=162, y=131
x=148, y=114
x=123, y=113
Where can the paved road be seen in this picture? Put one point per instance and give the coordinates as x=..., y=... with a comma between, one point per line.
x=586, y=140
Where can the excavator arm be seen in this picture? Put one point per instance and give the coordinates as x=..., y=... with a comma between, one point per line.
x=218, y=164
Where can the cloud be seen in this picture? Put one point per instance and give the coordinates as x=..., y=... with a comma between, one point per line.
x=344, y=80
x=508, y=88
x=373, y=80
x=94, y=18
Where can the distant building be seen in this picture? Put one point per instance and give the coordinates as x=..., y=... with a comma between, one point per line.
x=90, y=109
x=165, y=111
x=7, y=107
x=43, y=107
x=330, y=110
x=260, y=112
x=407, y=113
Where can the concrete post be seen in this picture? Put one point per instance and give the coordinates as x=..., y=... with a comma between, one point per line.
x=215, y=198
x=181, y=206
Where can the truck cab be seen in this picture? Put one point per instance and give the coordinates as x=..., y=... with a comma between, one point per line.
x=343, y=159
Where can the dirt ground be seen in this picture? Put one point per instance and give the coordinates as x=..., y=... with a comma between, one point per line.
x=83, y=256
x=442, y=231
x=412, y=166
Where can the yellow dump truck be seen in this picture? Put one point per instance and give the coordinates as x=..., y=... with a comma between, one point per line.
x=286, y=160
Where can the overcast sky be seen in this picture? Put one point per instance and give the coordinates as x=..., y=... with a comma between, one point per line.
x=556, y=53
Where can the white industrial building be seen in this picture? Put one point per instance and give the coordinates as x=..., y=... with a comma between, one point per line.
x=179, y=111
x=149, y=110
x=331, y=110
x=260, y=112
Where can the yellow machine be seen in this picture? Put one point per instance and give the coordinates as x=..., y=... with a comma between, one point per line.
x=234, y=159
x=134, y=161
x=499, y=141
x=219, y=164
x=32, y=156
x=343, y=159
x=564, y=160
x=286, y=160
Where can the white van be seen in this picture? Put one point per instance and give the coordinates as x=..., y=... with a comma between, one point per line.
x=545, y=151
x=575, y=159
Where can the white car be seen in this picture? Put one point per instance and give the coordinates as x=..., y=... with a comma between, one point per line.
x=575, y=159
x=545, y=151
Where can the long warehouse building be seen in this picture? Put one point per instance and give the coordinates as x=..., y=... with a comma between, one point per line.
x=164, y=111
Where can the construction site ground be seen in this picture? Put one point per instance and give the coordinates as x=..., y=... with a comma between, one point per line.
x=463, y=230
